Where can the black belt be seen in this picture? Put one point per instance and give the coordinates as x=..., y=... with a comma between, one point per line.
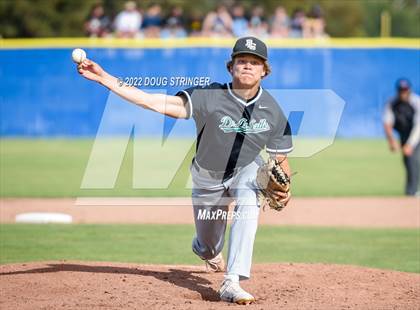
x=216, y=174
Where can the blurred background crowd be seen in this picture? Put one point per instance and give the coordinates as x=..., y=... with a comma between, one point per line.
x=209, y=18
x=223, y=21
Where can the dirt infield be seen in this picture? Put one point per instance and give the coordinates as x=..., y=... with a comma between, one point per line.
x=398, y=212
x=83, y=285
x=80, y=285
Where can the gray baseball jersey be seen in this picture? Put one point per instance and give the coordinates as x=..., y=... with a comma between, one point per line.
x=231, y=131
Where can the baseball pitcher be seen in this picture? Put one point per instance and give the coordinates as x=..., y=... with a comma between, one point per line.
x=234, y=123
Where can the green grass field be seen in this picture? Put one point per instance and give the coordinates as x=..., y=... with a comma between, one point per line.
x=55, y=168
x=171, y=244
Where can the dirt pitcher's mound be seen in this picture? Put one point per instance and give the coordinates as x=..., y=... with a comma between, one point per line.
x=76, y=285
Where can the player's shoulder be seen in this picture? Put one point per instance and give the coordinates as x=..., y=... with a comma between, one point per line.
x=415, y=100
x=215, y=85
x=391, y=101
x=209, y=91
x=201, y=90
x=268, y=100
x=265, y=95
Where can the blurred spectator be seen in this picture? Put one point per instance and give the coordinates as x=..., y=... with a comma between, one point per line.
x=218, y=23
x=97, y=24
x=174, y=25
x=296, y=24
x=257, y=24
x=279, y=23
x=152, y=21
x=402, y=113
x=314, y=25
x=240, y=23
x=195, y=24
x=127, y=23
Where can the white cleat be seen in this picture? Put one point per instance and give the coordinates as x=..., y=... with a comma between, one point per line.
x=232, y=292
x=216, y=264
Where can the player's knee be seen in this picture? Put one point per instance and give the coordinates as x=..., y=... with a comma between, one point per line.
x=206, y=250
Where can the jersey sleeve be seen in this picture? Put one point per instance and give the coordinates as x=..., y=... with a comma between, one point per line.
x=196, y=101
x=414, y=137
x=280, y=141
x=388, y=116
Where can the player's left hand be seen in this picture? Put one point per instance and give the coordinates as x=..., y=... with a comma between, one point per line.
x=407, y=150
x=274, y=185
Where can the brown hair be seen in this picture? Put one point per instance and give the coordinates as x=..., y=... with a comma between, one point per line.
x=267, y=67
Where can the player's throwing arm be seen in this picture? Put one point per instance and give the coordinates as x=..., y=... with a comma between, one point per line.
x=173, y=106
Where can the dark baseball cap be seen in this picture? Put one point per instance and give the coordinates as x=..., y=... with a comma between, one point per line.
x=250, y=45
x=403, y=84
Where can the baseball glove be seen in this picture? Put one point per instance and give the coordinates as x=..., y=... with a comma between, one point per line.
x=272, y=178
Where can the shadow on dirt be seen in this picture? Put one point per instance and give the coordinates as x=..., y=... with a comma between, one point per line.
x=182, y=278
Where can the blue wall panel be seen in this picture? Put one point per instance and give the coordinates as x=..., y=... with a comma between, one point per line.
x=43, y=95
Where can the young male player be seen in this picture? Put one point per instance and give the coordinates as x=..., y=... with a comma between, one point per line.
x=234, y=122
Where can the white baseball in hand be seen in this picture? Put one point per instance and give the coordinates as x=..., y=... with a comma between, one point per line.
x=78, y=55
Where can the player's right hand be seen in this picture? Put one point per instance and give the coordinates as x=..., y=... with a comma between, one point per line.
x=91, y=70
